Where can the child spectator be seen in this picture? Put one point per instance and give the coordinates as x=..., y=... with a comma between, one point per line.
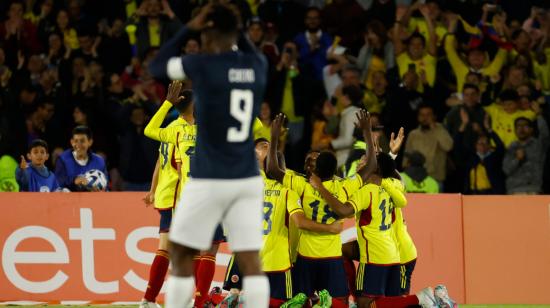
x=74, y=163
x=416, y=177
x=36, y=177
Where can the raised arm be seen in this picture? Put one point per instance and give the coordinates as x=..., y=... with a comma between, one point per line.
x=396, y=191
x=153, y=129
x=432, y=41
x=341, y=209
x=273, y=169
x=363, y=118
x=398, y=46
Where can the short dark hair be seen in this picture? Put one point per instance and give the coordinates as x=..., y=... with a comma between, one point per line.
x=386, y=165
x=529, y=122
x=418, y=36
x=354, y=93
x=325, y=166
x=470, y=86
x=225, y=18
x=36, y=143
x=312, y=9
x=83, y=130
x=259, y=140
x=509, y=95
x=424, y=106
x=185, y=102
x=350, y=68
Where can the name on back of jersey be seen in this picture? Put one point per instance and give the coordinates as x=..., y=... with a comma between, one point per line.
x=270, y=192
x=241, y=75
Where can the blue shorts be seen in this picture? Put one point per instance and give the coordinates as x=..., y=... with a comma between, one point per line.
x=378, y=280
x=219, y=235
x=310, y=275
x=280, y=283
x=406, y=276
x=165, y=220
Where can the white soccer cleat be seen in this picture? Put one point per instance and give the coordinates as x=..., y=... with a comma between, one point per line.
x=147, y=304
x=426, y=298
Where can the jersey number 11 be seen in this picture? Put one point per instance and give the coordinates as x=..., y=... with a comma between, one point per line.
x=244, y=98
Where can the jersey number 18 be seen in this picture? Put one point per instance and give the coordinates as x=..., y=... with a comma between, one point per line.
x=242, y=114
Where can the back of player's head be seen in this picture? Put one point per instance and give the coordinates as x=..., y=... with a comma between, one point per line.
x=36, y=143
x=83, y=130
x=185, y=102
x=223, y=19
x=260, y=140
x=325, y=166
x=386, y=165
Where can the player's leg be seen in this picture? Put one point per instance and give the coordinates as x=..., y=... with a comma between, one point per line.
x=350, y=253
x=332, y=277
x=159, y=267
x=407, y=271
x=280, y=288
x=371, y=283
x=192, y=230
x=243, y=221
x=207, y=268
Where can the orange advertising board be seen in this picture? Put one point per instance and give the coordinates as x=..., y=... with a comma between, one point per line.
x=97, y=247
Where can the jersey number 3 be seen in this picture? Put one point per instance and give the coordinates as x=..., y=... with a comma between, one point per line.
x=241, y=103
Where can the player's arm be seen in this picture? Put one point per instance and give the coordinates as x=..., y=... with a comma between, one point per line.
x=168, y=63
x=273, y=168
x=364, y=123
x=341, y=209
x=303, y=223
x=432, y=44
x=153, y=129
x=396, y=191
x=149, y=198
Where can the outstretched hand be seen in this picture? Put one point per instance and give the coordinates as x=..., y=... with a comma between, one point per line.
x=397, y=142
x=363, y=120
x=23, y=164
x=277, y=126
x=174, y=90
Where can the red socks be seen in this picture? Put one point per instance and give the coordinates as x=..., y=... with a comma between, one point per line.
x=275, y=303
x=395, y=302
x=156, y=275
x=349, y=267
x=336, y=303
x=205, y=275
x=196, y=265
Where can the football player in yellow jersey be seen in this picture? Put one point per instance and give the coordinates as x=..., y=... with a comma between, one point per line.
x=319, y=264
x=378, y=276
x=164, y=193
x=281, y=206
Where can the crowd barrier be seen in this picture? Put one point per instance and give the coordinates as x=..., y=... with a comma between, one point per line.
x=97, y=247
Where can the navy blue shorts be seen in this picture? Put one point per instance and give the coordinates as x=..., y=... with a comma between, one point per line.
x=280, y=283
x=165, y=220
x=310, y=275
x=219, y=235
x=378, y=280
x=406, y=276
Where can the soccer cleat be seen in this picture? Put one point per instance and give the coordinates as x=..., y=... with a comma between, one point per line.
x=147, y=304
x=296, y=302
x=442, y=297
x=325, y=300
x=230, y=301
x=426, y=298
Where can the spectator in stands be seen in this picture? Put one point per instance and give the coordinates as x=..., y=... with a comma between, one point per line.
x=37, y=122
x=474, y=112
x=17, y=32
x=377, y=54
x=414, y=56
x=255, y=33
x=349, y=100
x=115, y=43
x=476, y=58
x=524, y=160
x=36, y=177
x=420, y=25
x=73, y=163
x=433, y=141
x=155, y=23
x=70, y=39
x=345, y=19
x=313, y=44
x=375, y=99
x=415, y=176
x=504, y=114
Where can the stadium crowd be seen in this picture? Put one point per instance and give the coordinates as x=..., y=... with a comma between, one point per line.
x=469, y=81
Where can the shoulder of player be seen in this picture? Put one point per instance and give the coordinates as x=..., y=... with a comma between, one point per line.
x=95, y=157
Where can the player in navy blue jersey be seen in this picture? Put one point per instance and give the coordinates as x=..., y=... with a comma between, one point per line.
x=225, y=185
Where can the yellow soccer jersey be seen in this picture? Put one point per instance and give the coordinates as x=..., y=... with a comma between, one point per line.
x=183, y=136
x=373, y=219
x=405, y=244
x=186, y=149
x=168, y=185
x=279, y=204
x=313, y=244
x=257, y=129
